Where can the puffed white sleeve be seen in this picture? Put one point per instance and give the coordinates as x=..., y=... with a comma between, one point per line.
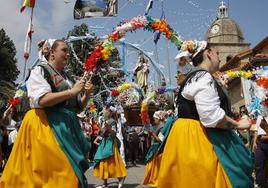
x=207, y=100
x=37, y=86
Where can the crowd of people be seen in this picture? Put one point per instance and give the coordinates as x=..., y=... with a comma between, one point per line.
x=200, y=144
x=133, y=141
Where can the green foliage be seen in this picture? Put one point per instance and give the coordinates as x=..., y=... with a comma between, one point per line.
x=81, y=48
x=7, y=91
x=108, y=74
x=8, y=68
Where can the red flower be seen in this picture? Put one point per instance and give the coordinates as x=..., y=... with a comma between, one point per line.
x=265, y=103
x=114, y=36
x=145, y=118
x=263, y=82
x=115, y=93
x=95, y=56
x=90, y=63
x=14, y=101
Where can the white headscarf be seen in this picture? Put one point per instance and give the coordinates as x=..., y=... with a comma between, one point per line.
x=160, y=114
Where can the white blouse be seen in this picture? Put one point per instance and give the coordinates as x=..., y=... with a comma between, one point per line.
x=206, y=100
x=37, y=86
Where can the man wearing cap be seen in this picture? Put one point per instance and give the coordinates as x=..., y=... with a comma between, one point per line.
x=180, y=77
x=260, y=148
x=120, y=121
x=12, y=135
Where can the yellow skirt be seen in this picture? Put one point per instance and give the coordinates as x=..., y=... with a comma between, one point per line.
x=112, y=167
x=152, y=171
x=189, y=159
x=36, y=159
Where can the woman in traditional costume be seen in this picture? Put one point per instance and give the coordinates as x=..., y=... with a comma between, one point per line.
x=154, y=154
x=202, y=150
x=50, y=148
x=108, y=162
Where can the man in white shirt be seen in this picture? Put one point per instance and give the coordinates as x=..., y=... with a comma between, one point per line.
x=13, y=134
x=260, y=148
x=121, y=120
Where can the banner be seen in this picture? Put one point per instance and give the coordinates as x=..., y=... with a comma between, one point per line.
x=27, y=3
x=95, y=8
x=28, y=41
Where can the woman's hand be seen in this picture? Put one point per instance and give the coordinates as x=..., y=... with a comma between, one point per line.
x=244, y=123
x=8, y=111
x=6, y=116
x=222, y=80
x=78, y=87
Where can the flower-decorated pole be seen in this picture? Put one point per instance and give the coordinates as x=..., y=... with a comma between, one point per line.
x=103, y=50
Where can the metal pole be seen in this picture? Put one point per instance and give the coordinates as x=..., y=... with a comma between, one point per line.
x=123, y=54
x=24, y=69
x=157, y=61
x=25, y=63
x=168, y=64
x=171, y=96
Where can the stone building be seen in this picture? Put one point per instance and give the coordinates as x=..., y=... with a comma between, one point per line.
x=225, y=35
x=245, y=60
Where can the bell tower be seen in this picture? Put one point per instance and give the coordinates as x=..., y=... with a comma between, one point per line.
x=225, y=35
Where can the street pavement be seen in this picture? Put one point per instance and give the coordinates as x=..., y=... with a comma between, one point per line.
x=133, y=180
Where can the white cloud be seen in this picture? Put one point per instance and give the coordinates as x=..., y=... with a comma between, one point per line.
x=52, y=19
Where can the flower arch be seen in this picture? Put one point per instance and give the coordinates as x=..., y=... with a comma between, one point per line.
x=103, y=49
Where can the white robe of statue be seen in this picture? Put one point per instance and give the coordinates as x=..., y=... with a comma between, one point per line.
x=112, y=7
x=141, y=72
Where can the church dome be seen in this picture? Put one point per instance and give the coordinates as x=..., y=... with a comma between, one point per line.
x=224, y=29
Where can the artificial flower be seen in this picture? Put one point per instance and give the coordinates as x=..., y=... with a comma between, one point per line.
x=115, y=93
x=262, y=82
x=145, y=118
x=14, y=101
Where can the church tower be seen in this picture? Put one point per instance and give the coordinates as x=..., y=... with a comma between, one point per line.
x=226, y=36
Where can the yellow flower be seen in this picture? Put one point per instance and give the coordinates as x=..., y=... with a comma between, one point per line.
x=144, y=106
x=231, y=74
x=248, y=74
x=125, y=86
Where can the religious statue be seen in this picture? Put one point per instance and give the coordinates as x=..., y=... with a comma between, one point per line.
x=112, y=7
x=141, y=72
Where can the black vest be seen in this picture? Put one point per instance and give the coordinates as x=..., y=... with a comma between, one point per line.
x=187, y=108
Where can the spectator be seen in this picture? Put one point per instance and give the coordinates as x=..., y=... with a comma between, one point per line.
x=260, y=148
x=95, y=132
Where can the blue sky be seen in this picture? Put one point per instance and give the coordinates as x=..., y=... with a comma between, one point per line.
x=191, y=19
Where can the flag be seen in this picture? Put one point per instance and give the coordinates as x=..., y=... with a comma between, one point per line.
x=158, y=34
x=28, y=41
x=27, y=3
x=157, y=37
x=149, y=6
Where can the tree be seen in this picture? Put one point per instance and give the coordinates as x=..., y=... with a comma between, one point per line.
x=8, y=69
x=80, y=48
x=109, y=73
